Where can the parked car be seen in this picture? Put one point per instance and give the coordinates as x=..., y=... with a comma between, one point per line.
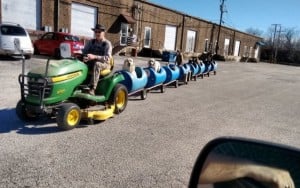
x=49, y=43
x=8, y=33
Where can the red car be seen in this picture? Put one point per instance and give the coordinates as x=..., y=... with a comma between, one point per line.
x=49, y=43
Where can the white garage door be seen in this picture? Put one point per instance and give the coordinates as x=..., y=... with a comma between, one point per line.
x=170, y=37
x=237, y=48
x=190, y=41
x=25, y=12
x=226, y=47
x=83, y=18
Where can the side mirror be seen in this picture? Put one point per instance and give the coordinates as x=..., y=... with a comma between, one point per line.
x=242, y=163
x=65, y=50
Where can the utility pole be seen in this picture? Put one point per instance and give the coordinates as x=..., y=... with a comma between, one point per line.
x=275, y=42
x=222, y=10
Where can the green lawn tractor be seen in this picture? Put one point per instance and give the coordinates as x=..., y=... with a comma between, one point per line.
x=58, y=89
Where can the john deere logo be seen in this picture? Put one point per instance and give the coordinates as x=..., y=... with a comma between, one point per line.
x=61, y=91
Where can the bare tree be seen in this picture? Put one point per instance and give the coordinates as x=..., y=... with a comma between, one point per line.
x=297, y=44
x=289, y=38
x=253, y=31
x=285, y=41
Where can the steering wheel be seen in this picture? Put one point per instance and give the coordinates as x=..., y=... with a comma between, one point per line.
x=80, y=56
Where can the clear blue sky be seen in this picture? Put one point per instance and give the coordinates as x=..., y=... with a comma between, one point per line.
x=242, y=14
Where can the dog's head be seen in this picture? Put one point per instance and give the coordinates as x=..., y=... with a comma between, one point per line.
x=128, y=62
x=151, y=62
x=129, y=65
x=154, y=64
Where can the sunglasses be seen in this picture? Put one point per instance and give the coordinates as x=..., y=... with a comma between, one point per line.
x=98, y=31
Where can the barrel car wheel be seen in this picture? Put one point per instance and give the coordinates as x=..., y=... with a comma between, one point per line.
x=144, y=94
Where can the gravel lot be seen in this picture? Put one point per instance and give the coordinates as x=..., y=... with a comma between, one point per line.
x=153, y=143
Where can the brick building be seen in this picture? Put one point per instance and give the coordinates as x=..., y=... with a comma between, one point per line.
x=131, y=24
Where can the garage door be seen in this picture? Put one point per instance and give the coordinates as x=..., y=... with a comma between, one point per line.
x=83, y=18
x=190, y=41
x=237, y=48
x=170, y=37
x=226, y=47
x=26, y=12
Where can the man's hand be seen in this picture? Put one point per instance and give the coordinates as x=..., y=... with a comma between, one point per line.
x=91, y=56
x=78, y=52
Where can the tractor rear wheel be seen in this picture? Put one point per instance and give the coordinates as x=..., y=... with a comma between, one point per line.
x=119, y=98
x=24, y=113
x=68, y=116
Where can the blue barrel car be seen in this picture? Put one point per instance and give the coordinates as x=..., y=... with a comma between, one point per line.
x=184, y=73
x=195, y=70
x=207, y=67
x=214, y=66
x=155, y=78
x=173, y=74
x=135, y=82
x=202, y=68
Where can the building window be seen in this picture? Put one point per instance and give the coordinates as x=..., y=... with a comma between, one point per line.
x=124, y=34
x=147, y=37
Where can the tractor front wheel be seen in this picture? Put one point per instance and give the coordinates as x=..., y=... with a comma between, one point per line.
x=24, y=113
x=119, y=98
x=68, y=116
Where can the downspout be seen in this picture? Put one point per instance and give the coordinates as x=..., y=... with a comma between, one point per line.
x=56, y=15
x=211, y=38
x=182, y=32
x=141, y=26
x=232, y=44
x=0, y=12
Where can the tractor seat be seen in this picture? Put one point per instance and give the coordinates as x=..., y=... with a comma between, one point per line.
x=106, y=72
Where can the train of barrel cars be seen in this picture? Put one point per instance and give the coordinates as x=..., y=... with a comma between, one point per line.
x=59, y=88
x=138, y=79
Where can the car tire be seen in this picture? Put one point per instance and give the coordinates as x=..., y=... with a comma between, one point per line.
x=36, y=51
x=27, y=56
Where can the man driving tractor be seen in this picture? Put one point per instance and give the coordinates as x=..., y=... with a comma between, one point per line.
x=98, y=53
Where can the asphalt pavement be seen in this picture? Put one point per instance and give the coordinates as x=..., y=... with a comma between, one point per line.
x=154, y=142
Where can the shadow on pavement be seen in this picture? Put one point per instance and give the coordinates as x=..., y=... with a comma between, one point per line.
x=10, y=122
x=9, y=58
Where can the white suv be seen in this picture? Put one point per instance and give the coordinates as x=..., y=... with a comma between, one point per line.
x=8, y=33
